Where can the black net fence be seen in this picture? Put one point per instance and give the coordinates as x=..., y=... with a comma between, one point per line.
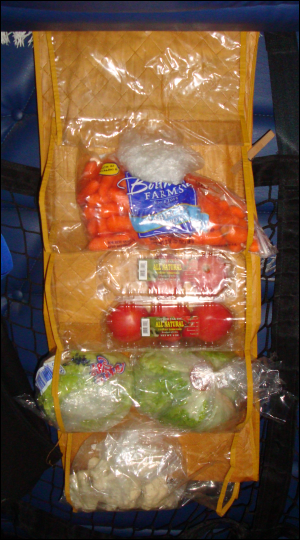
x=41, y=514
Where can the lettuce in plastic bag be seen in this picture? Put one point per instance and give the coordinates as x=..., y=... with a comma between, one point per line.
x=94, y=391
x=181, y=390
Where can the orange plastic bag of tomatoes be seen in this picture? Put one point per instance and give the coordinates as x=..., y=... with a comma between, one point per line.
x=119, y=210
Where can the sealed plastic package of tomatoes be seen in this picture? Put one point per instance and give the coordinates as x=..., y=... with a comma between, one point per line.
x=139, y=271
x=135, y=323
x=136, y=297
x=148, y=193
x=189, y=297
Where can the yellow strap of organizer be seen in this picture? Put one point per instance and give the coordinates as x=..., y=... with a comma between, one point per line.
x=249, y=190
x=55, y=390
x=57, y=360
x=251, y=95
x=221, y=510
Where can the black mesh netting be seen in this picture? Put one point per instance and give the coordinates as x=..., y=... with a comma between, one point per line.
x=40, y=514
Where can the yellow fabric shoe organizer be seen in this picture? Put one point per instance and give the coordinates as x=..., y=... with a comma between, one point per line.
x=74, y=80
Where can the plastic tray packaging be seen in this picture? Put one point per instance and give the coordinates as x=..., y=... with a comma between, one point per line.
x=168, y=272
x=135, y=298
x=187, y=322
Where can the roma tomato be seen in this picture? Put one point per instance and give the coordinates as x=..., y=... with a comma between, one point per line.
x=207, y=275
x=214, y=321
x=174, y=317
x=124, y=322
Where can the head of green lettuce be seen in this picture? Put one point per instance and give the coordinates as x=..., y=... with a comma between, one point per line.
x=167, y=389
x=88, y=400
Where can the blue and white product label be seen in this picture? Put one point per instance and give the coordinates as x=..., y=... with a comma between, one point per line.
x=161, y=208
x=45, y=374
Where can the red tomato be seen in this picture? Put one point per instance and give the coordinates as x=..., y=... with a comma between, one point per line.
x=175, y=312
x=124, y=322
x=213, y=321
x=207, y=275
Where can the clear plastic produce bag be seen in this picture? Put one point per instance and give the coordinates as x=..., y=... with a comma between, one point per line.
x=134, y=196
x=135, y=468
x=181, y=391
x=94, y=390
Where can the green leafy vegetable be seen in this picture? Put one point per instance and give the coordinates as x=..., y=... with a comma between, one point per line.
x=216, y=358
x=88, y=402
x=164, y=391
